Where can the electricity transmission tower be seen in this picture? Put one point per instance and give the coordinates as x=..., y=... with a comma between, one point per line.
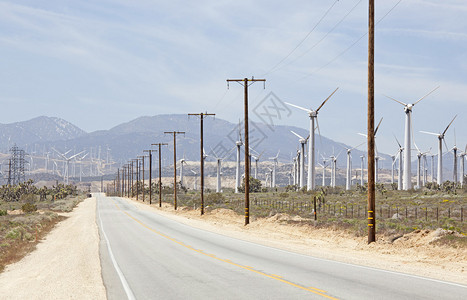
x=16, y=166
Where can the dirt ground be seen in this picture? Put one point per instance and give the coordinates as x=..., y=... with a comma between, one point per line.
x=413, y=253
x=65, y=265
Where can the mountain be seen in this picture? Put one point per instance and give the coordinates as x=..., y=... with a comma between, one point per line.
x=129, y=139
x=37, y=130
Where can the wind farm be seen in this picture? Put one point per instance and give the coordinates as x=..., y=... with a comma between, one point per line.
x=229, y=150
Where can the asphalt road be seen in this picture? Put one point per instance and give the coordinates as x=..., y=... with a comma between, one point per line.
x=148, y=256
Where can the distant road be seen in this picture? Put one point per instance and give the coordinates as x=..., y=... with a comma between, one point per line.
x=148, y=256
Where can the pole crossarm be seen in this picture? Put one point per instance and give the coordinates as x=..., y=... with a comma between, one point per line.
x=245, y=82
x=201, y=117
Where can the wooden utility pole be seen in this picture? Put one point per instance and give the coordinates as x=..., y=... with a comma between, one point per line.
x=201, y=118
x=150, y=174
x=142, y=171
x=136, y=160
x=175, y=163
x=160, y=171
x=371, y=124
x=246, y=83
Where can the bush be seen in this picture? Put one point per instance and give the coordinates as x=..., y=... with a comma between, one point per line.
x=29, y=208
x=3, y=212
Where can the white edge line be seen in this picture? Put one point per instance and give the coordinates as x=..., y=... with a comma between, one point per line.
x=322, y=259
x=126, y=287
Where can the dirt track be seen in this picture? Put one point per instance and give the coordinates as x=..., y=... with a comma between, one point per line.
x=65, y=265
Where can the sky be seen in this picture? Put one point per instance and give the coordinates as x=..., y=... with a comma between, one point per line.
x=99, y=63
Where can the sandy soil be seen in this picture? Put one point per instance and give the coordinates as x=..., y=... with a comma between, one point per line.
x=65, y=265
x=413, y=253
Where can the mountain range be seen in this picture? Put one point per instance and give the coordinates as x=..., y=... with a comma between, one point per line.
x=128, y=140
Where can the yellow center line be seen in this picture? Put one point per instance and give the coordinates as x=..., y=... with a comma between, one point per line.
x=272, y=276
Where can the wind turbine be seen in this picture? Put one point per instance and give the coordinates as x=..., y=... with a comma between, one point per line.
x=419, y=165
x=376, y=150
x=67, y=162
x=440, y=150
x=271, y=171
x=196, y=178
x=313, y=114
x=302, y=141
x=362, y=169
x=400, y=153
x=348, y=180
x=407, y=183
x=454, y=151
x=462, y=157
x=219, y=168
x=274, y=168
x=238, y=144
x=256, y=157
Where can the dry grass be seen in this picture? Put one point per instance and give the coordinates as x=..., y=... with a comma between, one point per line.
x=21, y=232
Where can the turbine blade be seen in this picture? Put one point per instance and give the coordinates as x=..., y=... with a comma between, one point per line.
x=396, y=100
x=326, y=100
x=299, y=136
x=449, y=125
x=377, y=127
x=397, y=141
x=357, y=146
x=362, y=134
x=319, y=132
x=426, y=95
x=417, y=148
x=432, y=133
x=299, y=107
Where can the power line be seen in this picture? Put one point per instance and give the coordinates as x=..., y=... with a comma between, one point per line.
x=329, y=32
x=351, y=46
x=303, y=40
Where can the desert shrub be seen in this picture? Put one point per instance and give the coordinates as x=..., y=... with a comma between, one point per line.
x=3, y=212
x=29, y=208
x=215, y=198
x=27, y=198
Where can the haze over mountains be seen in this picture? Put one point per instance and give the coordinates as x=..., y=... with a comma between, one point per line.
x=127, y=140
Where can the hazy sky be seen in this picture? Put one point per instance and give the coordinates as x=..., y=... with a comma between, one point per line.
x=99, y=63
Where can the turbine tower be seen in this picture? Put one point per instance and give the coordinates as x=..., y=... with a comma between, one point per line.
x=238, y=144
x=196, y=178
x=348, y=178
x=274, y=168
x=419, y=166
x=400, y=153
x=313, y=114
x=301, y=172
x=462, y=157
x=440, y=150
x=407, y=183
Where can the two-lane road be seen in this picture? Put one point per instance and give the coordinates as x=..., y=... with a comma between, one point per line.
x=148, y=256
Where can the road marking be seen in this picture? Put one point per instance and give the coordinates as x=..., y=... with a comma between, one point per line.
x=126, y=286
x=272, y=276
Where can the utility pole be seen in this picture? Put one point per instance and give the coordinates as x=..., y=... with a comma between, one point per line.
x=142, y=163
x=201, y=118
x=137, y=176
x=150, y=174
x=175, y=163
x=246, y=83
x=160, y=171
x=102, y=184
x=371, y=124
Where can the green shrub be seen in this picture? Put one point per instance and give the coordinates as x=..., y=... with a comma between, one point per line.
x=3, y=212
x=29, y=208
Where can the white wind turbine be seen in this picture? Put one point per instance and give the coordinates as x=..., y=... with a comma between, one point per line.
x=348, y=178
x=376, y=150
x=238, y=144
x=302, y=141
x=271, y=171
x=313, y=114
x=256, y=157
x=219, y=168
x=67, y=163
x=407, y=183
x=324, y=170
x=400, y=153
x=419, y=165
x=462, y=157
x=440, y=151
x=362, y=169
x=196, y=179
x=454, y=151
x=275, y=162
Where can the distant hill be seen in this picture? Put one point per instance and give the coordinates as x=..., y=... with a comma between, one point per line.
x=37, y=130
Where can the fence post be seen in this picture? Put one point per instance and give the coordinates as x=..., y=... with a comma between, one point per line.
x=314, y=207
x=462, y=214
x=426, y=213
x=437, y=215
